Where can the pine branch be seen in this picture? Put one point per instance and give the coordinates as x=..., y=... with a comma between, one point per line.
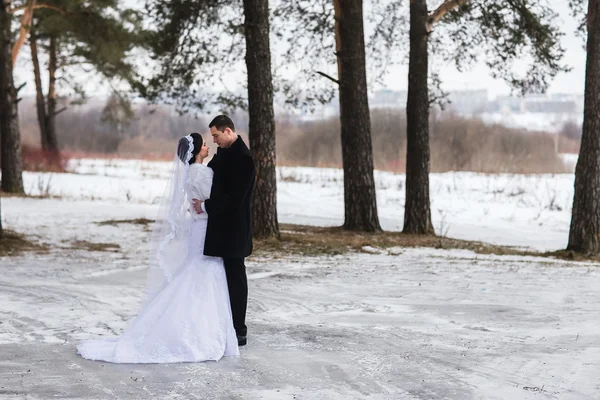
x=26, y=21
x=445, y=8
x=59, y=111
x=35, y=7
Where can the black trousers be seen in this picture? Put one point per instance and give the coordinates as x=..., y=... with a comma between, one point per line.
x=238, y=292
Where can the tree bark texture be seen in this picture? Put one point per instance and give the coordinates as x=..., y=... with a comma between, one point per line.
x=261, y=117
x=40, y=102
x=417, y=209
x=584, y=235
x=360, y=203
x=10, y=141
x=52, y=142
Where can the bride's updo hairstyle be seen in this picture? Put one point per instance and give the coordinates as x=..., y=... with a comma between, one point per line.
x=184, y=144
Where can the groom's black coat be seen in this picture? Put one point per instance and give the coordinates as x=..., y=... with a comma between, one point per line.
x=229, y=230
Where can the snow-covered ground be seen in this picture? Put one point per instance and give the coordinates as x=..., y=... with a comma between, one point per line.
x=530, y=211
x=402, y=324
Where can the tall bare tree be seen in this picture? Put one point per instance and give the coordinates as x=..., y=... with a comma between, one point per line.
x=189, y=47
x=96, y=33
x=360, y=203
x=417, y=212
x=500, y=31
x=584, y=234
x=261, y=116
x=10, y=141
x=326, y=35
x=46, y=108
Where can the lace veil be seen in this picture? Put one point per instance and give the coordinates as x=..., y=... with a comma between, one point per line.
x=170, y=232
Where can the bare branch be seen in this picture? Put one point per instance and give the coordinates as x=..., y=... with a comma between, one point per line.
x=26, y=21
x=35, y=7
x=61, y=110
x=328, y=77
x=21, y=87
x=73, y=63
x=445, y=8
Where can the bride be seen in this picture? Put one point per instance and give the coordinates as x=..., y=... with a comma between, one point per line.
x=186, y=314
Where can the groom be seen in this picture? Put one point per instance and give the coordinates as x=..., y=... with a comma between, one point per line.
x=229, y=229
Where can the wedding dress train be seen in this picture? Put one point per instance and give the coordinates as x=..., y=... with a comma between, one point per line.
x=189, y=319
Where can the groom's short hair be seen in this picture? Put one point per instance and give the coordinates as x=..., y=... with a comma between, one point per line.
x=220, y=122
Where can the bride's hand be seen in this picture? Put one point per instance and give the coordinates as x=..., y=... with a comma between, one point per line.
x=197, y=206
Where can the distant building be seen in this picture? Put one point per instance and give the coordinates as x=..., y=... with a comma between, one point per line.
x=468, y=102
x=387, y=98
x=535, y=112
x=551, y=103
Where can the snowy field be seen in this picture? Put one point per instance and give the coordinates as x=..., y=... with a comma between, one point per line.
x=402, y=324
x=529, y=211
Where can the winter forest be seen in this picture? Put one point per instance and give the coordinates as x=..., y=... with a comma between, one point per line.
x=425, y=210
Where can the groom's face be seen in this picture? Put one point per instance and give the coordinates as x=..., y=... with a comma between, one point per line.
x=220, y=138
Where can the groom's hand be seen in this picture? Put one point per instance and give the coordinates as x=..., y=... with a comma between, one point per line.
x=197, y=206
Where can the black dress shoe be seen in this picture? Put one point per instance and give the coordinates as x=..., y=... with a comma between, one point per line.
x=241, y=340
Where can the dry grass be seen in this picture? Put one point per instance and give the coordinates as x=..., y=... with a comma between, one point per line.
x=319, y=241
x=38, y=160
x=310, y=240
x=27, y=196
x=16, y=195
x=115, y=222
x=13, y=244
x=456, y=144
x=571, y=256
x=91, y=246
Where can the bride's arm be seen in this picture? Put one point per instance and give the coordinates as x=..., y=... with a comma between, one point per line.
x=190, y=180
x=204, y=182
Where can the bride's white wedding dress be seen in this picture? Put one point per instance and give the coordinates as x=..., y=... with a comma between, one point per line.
x=189, y=319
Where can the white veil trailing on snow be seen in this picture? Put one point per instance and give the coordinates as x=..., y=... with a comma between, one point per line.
x=170, y=233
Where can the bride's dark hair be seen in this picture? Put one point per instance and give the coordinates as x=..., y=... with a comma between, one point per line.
x=183, y=146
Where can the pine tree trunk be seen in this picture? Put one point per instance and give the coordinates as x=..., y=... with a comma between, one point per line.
x=584, y=235
x=261, y=117
x=10, y=144
x=51, y=115
x=417, y=210
x=360, y=203
x=39, y=98
x=338, y=42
